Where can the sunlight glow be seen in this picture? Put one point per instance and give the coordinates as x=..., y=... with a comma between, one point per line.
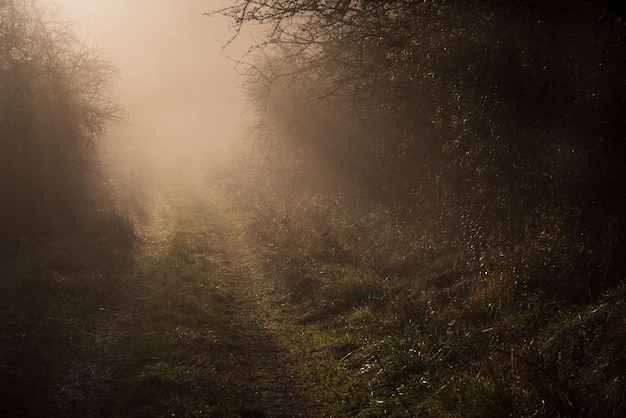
x=177, y=87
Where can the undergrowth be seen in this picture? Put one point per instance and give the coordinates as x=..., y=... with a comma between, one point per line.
x=393, y=323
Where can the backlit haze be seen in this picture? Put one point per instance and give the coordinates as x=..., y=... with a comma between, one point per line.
x=178, y=88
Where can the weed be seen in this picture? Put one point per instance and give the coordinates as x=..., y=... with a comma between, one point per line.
x=391, y=325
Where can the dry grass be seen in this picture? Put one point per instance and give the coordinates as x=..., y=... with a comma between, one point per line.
x=392, y=325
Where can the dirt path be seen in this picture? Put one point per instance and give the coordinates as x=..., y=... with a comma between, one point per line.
x=261, y=366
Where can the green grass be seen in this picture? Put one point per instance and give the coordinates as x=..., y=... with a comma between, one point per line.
x=189, y=356
x=179, y=350
x=175, y=355
x=391, y=328
x=403, y=331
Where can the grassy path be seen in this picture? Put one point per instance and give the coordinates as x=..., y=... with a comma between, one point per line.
x=197, y=339
x=178, y=329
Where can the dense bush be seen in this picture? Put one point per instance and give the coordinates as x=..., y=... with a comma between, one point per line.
x=445, y=193
x=490, y=128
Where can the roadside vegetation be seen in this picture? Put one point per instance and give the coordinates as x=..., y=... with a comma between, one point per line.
x=55, y=105
x=439, y=202
x=385, y=329
x=63, y=237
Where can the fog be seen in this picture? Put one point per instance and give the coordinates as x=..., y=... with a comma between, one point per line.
x=177, y=83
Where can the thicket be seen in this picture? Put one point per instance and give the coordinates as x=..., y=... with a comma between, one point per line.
x=55, y=103
x=444, y=182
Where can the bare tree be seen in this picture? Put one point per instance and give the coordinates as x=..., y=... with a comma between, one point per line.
x=55, y=103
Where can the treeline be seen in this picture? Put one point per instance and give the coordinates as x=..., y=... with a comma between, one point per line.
x=494, y=126
x=438, y=192
x=55, y=104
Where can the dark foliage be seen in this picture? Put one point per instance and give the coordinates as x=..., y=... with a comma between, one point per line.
x=476, y=152
x=498, y=124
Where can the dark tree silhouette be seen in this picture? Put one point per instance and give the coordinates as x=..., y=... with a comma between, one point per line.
x=54, y=104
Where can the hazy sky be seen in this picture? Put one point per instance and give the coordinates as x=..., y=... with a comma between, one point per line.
x=176, y=86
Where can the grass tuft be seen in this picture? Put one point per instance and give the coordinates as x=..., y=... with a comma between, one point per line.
x=392, y=324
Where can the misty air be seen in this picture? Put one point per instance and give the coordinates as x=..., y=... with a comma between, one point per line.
x=245, y=208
